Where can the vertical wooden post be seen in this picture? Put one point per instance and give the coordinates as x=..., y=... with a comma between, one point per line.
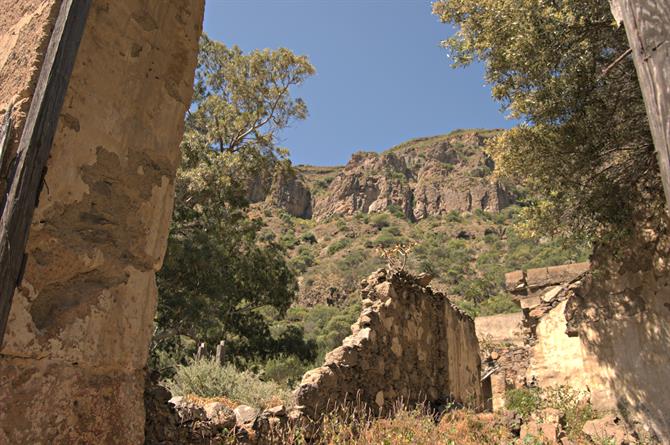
x=647, y=25
x=221, y=353
x=201, y=352
x=35, y=147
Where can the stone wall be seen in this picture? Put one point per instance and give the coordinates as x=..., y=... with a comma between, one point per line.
x=622, y=316
x=409, y=343
x=72, y=360
x=556, y=356
x=500, y=329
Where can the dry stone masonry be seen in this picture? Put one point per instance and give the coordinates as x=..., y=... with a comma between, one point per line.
x=409, y=343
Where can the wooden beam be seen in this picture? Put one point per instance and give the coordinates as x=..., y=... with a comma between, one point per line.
x=6, y=133
x=35, y=147
x=647, y=24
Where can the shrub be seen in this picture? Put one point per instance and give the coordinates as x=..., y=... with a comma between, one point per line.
x=392, y=230
x=288, y=240
x=572, y=404
x=205, y=378
x=309, y=237
x=304, y=260
x=396, y=210
x=286, y=370
x=498, y=304
x=380, y=220
x=454, y=216
x=338, y=245
x=523, y=401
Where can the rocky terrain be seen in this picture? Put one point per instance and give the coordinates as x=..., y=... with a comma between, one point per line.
x=438, y=193
x=423, y=177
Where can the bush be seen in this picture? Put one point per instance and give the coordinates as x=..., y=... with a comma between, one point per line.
x=523, y=401
x=338, y=245
x=380, y=220
x=498, y=304
x=205, y=378
x=572, y=404
x=396, y=211
x=454, y=216
x=309, y=237
x=286, y=370
x=304, y=260
x=289, y=241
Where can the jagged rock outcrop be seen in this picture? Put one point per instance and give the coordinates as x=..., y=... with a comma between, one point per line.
x=369, y=183
x=409, y=343
x=284, y=188
x=420, y=178
x=288, y=191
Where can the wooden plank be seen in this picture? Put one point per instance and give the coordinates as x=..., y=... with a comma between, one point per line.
x=35, y=147
x=647, y=25
x=6, y=133
x=5, y=136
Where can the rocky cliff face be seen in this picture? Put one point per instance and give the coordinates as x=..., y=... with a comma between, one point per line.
x=285, y=188
x=419, y=178
x=423, y=177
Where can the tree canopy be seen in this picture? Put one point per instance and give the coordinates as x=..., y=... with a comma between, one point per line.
x=583, y=148
x=218, y=272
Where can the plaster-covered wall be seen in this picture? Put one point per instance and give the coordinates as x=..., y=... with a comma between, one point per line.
x=556, y=355
x=409, y=343
x=622, y=315
x=77, y=342
x=501, y=329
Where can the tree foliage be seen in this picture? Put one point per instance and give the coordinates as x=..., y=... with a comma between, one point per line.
x=584, y=148
x=218, y=272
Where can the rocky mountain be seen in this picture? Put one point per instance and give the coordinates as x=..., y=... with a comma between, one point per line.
x=419, y=178
x=285, y=189
x=437, y=194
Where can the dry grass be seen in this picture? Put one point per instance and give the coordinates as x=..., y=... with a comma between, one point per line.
x=358, y=426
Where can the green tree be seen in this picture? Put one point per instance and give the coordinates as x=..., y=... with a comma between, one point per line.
x=584, y=148
x=242, y=101
x=219, y=272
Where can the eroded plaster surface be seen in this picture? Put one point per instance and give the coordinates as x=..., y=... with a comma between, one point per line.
x=81, y=321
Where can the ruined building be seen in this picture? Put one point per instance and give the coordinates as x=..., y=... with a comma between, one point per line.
x=409, y=344
x=601, y=329
x=73, y=355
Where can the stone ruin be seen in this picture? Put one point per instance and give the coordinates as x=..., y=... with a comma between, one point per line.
x=72, y=361
x=596, y=332
x=534, y=346
x=409, y=344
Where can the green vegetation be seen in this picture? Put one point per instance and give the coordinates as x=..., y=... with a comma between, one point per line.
x=583, y=156
x=574, y=408
x=205, y=378
x=470, y=269
x=221, y=270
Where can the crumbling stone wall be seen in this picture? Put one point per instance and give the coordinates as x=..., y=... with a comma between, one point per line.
x=535, y=348
x=607, y=331
x=622, y=316
x=556, y=356
x=71, y=364
x=409, y=343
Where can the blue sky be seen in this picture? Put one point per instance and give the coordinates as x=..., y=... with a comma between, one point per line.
x=382, y=77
